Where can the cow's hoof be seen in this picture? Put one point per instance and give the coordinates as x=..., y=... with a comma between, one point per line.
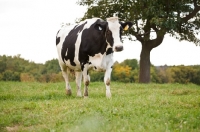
x=79, y=94
x=85, y=97
x=108, y=95
x=86, y=94
x=68, y=92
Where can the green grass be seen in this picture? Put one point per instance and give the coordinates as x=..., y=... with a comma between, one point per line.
x=44, y=107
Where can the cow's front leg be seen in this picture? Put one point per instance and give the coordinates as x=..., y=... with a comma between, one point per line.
x=107, y=81
x=78, y=83
x=86, y=78
x=65, y=72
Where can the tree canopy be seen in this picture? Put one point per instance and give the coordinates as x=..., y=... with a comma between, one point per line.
x=179, y=18
x=152, y=20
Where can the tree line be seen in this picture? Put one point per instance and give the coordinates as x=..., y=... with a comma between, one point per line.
x=15, y=68
x=18, y=69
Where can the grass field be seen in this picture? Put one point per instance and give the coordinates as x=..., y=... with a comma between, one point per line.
x=44, y=107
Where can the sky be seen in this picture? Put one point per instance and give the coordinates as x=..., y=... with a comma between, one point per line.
x=29, y=28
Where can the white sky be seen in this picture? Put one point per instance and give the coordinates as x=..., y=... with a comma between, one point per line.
x=29, y=27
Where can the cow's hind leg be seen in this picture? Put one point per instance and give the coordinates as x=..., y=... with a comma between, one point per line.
x=65, y=73
x=78, y=83
x=86, y=79
x=86, y=82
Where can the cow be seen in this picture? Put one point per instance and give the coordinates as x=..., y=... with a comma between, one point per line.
x=89, y=44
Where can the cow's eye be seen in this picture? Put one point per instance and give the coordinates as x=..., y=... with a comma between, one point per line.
x=100, y=28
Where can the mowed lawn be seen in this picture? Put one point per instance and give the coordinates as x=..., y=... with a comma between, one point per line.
x=44, y=107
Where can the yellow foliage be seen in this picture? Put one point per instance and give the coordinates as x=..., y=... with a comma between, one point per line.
x=122, y=71
x=26, y=77
x=55, y=77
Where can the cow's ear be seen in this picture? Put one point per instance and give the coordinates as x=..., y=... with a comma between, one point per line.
x=100, y=26
x=126, y=25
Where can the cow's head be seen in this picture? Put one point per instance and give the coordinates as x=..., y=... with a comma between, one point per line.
x=113, y=31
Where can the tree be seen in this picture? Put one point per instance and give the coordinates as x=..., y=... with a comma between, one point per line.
x=179, y=18
x=133, y=63
x=184, y=74
x=15, y=68
x=52, y=66
x=196, y=78
x=2, y=63
x=9, y=75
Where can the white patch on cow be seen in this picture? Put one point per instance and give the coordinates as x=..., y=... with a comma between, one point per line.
x=108, y=46
x=66, y=52
x=114, y=26
x=77, y=46
x=97, y=61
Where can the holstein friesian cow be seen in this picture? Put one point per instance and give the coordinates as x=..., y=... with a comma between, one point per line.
x=90, y=44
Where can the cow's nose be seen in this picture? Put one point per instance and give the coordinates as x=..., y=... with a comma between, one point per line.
x=118, y=48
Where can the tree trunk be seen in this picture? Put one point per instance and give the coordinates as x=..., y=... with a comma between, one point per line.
x=144, y=76
x=147, y=46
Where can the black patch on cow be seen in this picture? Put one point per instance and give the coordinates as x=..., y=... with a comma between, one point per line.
x=57, y=40
x=69, y=44
x=90, y=63
x=93, y=41
x=95, y=67
x=57, y=32
x=120, y=33
x=109, y=51
x=109, y=37
x=111, y=67
x=82, y=67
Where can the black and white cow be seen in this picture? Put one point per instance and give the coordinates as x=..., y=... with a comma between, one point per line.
x=90, y=44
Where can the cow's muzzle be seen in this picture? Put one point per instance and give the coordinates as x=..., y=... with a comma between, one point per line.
x=118, y=48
